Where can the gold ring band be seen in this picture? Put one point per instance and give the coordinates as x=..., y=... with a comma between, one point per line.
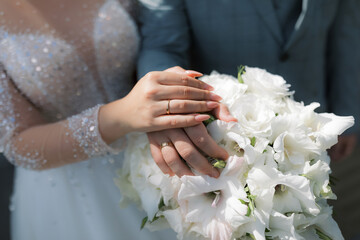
x=165, y=144
x=168, y=108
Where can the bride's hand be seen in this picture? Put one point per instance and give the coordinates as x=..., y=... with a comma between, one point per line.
x=160, y=100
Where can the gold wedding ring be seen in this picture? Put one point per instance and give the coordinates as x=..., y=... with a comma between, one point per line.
x=165, y=144
x=168, y=108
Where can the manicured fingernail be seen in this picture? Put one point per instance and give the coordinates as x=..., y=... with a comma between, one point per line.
x=215, y=97
x=208, y=87
x=231, y=118
x=192, y=73
x=215, y=174
x=201, y=118
x=212, y=104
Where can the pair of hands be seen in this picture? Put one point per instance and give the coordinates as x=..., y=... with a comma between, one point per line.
x=144, y=109
x=188, y=145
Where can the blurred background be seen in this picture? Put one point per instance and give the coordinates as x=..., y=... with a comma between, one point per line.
x=346, y=208
x=6, y=184
x=346, y=211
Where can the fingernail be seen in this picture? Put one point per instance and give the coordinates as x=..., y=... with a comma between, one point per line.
x=212, y=104
x=201, y=118
x=208, y=87
x=215, y=174
x=232, y=119
x=215, y=97
x=193, y=73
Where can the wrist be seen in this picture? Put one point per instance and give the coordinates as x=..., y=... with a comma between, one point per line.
x=112, y=121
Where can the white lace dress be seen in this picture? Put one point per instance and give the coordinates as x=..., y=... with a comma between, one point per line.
x=59, y=61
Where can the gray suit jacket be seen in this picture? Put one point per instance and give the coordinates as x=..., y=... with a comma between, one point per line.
x=321, y=59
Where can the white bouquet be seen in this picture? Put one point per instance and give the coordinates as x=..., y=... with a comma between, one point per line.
x=275, y=184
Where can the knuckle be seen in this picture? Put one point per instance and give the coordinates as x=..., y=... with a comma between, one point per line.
x=178, y=68
x=182, y=105
x=151, y=92
x=199, y=141
x=173, y=122
x=185, y=80
x=172, y=163
x=152, y=76
x=205, y=94
x=186, y=92
x=204, y=107
x=187, y=153
x=190, y=121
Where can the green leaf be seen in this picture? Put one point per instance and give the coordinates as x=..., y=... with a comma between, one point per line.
x=251, y=235
x=242, y=201
x=241, y=70
x=143, y=222
x=251, y=204
x=210, y=120
x=322, y=235
x=253, y=141
x=161, y=203
x=220, y=164
x=154, y=219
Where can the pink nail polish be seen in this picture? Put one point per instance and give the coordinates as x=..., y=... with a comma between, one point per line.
x=209, y=87
x=201, y=118
x=215, y=97
x=193, y=73
x=215, y=174
x=212, y=104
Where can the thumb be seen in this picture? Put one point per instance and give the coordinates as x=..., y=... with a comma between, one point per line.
x=222, y=112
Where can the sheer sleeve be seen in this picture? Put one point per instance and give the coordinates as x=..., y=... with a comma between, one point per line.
x=28, y=141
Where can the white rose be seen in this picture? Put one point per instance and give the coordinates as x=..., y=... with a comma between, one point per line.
x=253, y=115
x=226, y=86
x=265, y=84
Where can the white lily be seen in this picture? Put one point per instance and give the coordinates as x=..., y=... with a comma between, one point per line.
x=215, y=203
x=282, y=227
x=318, y=174
x=264, y=182
x=323, y=222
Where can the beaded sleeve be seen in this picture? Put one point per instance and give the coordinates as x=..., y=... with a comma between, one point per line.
x=28, y=141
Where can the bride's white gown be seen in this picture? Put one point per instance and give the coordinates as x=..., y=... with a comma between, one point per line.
x=63, y=75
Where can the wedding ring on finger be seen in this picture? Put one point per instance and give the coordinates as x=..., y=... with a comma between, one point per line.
x=165, y=144
x=168, y=108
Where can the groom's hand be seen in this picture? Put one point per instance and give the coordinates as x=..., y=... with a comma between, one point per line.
x=186, y=146
x=344, y=148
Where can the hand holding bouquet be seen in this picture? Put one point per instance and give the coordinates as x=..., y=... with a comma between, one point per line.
x=275, y=184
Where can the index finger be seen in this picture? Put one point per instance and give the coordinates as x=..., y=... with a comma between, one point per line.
x=170, y=78
x=200, y=137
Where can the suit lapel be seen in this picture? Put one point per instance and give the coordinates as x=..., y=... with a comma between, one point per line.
x=266, y=11
x=301, y=24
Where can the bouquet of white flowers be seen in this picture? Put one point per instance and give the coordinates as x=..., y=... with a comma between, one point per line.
x=275, y=184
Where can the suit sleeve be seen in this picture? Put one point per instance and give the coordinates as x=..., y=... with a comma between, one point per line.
x=165, y=35
x=344, y=62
